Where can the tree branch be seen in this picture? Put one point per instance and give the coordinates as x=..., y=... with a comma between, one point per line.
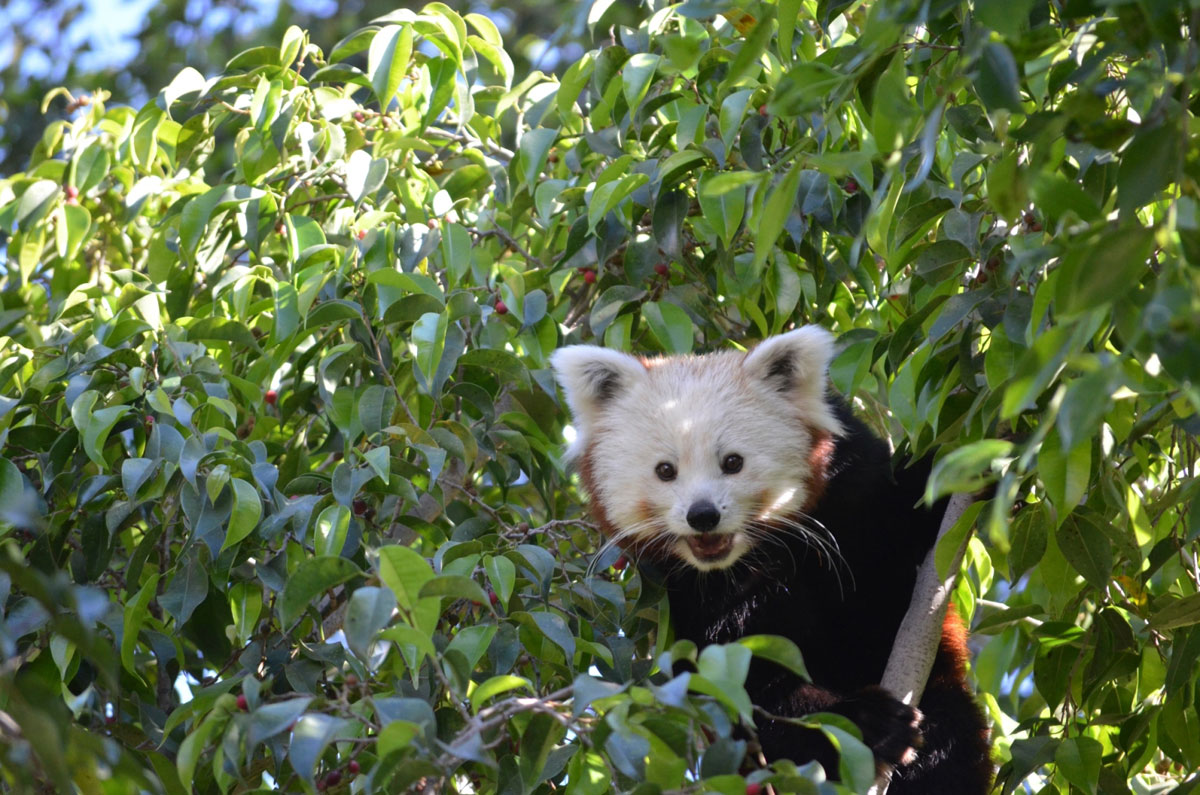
x=917, y=639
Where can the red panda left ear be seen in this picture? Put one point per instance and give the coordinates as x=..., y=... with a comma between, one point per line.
x=796, y=364
x=591, y=377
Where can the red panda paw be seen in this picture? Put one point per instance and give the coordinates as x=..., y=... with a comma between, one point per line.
x=890, y=728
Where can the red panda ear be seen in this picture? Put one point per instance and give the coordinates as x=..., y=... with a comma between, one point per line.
x=796, y=364
x=591, y=377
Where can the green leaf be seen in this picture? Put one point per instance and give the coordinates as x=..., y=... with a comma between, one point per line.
x=636, y=76
x=503, y=683
x=607, y=196
x=187, y=589
x=12, y=485
x=404, y=571
x=724, y=212
x=136, y=613
x=1098, y=274
x=247, y=510
x=741, y=69
x=722, y=674
x=1087, y=549
x=35, y=202
x=311, y=735
x=388, y=61
x=1028, y=541
x=671, y=326
x=312, y=578
x=429, y=337
x=954, y=311
x=778, y=208
x=1177, y=613
x=806, y=87
x=573, y=81
x=779, y=650
x=502, y=574
x=1078, y=759
x=1148, y=165
x=364, y=175
x=270, y=719
x=996, y=80
x=555, y=628
x=456, y=586
x=1007, y=17
x=535, y=149
x=442, y=76
x=331, y=529
x=95, y=425
x=375, y=408
x=73, y=232
x=1065, y=472
x=145, y=136
x=369, y=612
x=966, y=469
x=609, y=305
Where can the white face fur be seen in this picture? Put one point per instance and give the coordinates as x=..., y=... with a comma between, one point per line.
x=695, y=455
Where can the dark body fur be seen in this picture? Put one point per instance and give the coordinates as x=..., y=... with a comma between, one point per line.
x=843, y=615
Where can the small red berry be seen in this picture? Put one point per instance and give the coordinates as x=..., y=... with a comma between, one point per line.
x=333, y=778
x=432, y=223
x=993, y=263
x=753, y=789
x=589, y=276
x=360, y=507
x=621, y=563
x=493, y=598
x=501, y=308
x=662, y=269
x=1028, y=217
x=361, y=234
x=1035, y=227
x=242, y=703
x=851, y=186
x=72, y=194
x=280, y=228
x=149, y=421
x=359, y=116
x=981, y=278
x=352, y=767
x=271, y=397
x=351, y=680
x=762, y=110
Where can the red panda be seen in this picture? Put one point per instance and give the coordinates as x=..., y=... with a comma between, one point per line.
x=770, y=509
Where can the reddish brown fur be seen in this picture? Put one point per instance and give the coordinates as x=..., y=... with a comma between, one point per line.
x=589, y=484
x=819, y=459
x=600, y=516
x=950, y=665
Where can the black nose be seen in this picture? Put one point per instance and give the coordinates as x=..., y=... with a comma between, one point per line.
x=703, y=516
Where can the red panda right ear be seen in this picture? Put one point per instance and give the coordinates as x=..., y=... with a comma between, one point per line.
x=592, y=376
x=796, y=365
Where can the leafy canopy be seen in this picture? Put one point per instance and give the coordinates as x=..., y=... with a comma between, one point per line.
x=282, y=500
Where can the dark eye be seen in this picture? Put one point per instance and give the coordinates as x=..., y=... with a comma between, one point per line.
x=731, y=464
x=665, y=471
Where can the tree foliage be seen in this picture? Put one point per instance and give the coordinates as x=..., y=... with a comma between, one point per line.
x=282, y=496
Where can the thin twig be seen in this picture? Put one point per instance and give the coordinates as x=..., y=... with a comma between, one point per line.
x=510, y=240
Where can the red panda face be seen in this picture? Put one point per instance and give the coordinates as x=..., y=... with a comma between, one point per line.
x=700, y=458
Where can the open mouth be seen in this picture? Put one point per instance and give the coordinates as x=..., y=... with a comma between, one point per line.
x=710, y=547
